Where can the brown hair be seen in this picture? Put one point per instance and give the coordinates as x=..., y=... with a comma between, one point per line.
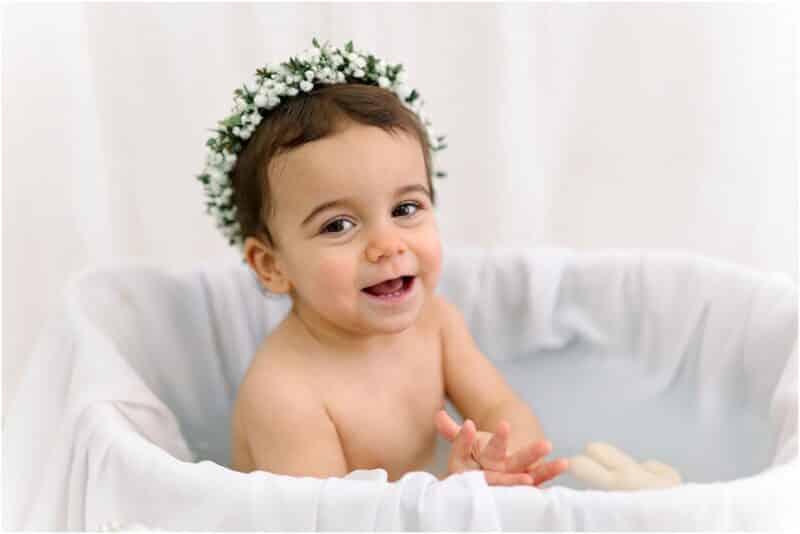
x=305, y=118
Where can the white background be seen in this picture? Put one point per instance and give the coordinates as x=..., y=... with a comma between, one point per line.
x=577, y=125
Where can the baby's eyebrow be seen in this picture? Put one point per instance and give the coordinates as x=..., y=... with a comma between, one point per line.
x=342, y=201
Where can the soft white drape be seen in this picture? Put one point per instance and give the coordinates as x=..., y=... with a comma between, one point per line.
x=579, y=125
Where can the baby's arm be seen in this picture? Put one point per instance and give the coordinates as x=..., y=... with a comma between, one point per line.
x=477, y=388
x=481, y=394
x=289, y=432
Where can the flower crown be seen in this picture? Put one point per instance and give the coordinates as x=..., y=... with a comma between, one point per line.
x=320, y=64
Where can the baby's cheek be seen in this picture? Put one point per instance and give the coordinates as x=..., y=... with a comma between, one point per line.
x=431, y=259
x=334, y=277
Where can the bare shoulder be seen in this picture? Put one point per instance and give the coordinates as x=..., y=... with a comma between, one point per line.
x=284, y=421
x=275, y=376
x=449, y=317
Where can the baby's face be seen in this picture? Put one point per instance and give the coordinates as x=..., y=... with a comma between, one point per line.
x=383, y=228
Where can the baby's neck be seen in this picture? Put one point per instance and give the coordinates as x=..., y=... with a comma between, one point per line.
x=334, y=340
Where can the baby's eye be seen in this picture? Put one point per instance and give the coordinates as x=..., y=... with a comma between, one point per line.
x=338, y=222
x=335, y=222
x=415, y=205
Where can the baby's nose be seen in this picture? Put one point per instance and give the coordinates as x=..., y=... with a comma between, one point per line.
x=387, y=247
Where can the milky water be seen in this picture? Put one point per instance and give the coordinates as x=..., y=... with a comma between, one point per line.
x=579, y=399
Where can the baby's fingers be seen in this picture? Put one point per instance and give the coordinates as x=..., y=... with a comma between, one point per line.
x=493, y=456
x=520, y=460
x=446, y=426
x=460, y=454
x=549, y=471
x=496, y=478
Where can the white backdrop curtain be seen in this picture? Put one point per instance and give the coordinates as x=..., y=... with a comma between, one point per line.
x=577, y=125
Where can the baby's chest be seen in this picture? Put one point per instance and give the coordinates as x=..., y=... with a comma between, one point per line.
x=388, y=420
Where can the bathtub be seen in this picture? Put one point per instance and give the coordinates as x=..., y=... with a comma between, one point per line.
x=122, y=416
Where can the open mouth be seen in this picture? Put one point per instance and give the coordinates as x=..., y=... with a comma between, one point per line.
x=391, y=289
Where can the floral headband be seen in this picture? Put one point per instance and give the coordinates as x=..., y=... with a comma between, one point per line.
x=271, y=84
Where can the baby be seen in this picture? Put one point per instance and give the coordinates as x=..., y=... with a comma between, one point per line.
x=334, y=198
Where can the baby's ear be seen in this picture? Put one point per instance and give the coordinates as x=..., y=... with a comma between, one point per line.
x=264, y=262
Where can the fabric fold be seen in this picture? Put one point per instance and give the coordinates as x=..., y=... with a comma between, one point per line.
x=122, y=416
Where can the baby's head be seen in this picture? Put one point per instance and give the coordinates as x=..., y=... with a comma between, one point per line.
x=359, y=144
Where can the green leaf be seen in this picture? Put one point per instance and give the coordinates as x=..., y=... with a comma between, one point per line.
x=349, y=47
x=233, y=120
x=295, y=65
x=413, y=96
x=314, y=40
x=441, y=174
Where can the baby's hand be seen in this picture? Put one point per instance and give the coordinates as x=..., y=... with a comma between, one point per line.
x=474, y=449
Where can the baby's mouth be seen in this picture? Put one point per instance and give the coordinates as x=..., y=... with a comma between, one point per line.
x=389, y=287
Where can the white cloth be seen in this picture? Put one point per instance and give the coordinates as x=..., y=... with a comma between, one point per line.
x=122, y=415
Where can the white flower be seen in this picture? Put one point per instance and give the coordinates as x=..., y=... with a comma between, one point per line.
x=228, y=228
x=292, y=91
x=401, y=76
x=384, y=82
x=306, y=86
x=402, y=91
x=309, y=75
x=380, y=67
x=337, y=60
x=246, y=133
x=260, y=100
x=214, y=188
x=253, y=85
x=432, y=136
x=358, y=73
x=216, y=175
x=273, y=100
x=310, y=56
x=326, y=73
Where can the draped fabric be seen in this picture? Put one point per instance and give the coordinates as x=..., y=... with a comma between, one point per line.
x=124, y=412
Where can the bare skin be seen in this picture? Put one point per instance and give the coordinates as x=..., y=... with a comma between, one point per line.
x=348, y=382
x=401, y=393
